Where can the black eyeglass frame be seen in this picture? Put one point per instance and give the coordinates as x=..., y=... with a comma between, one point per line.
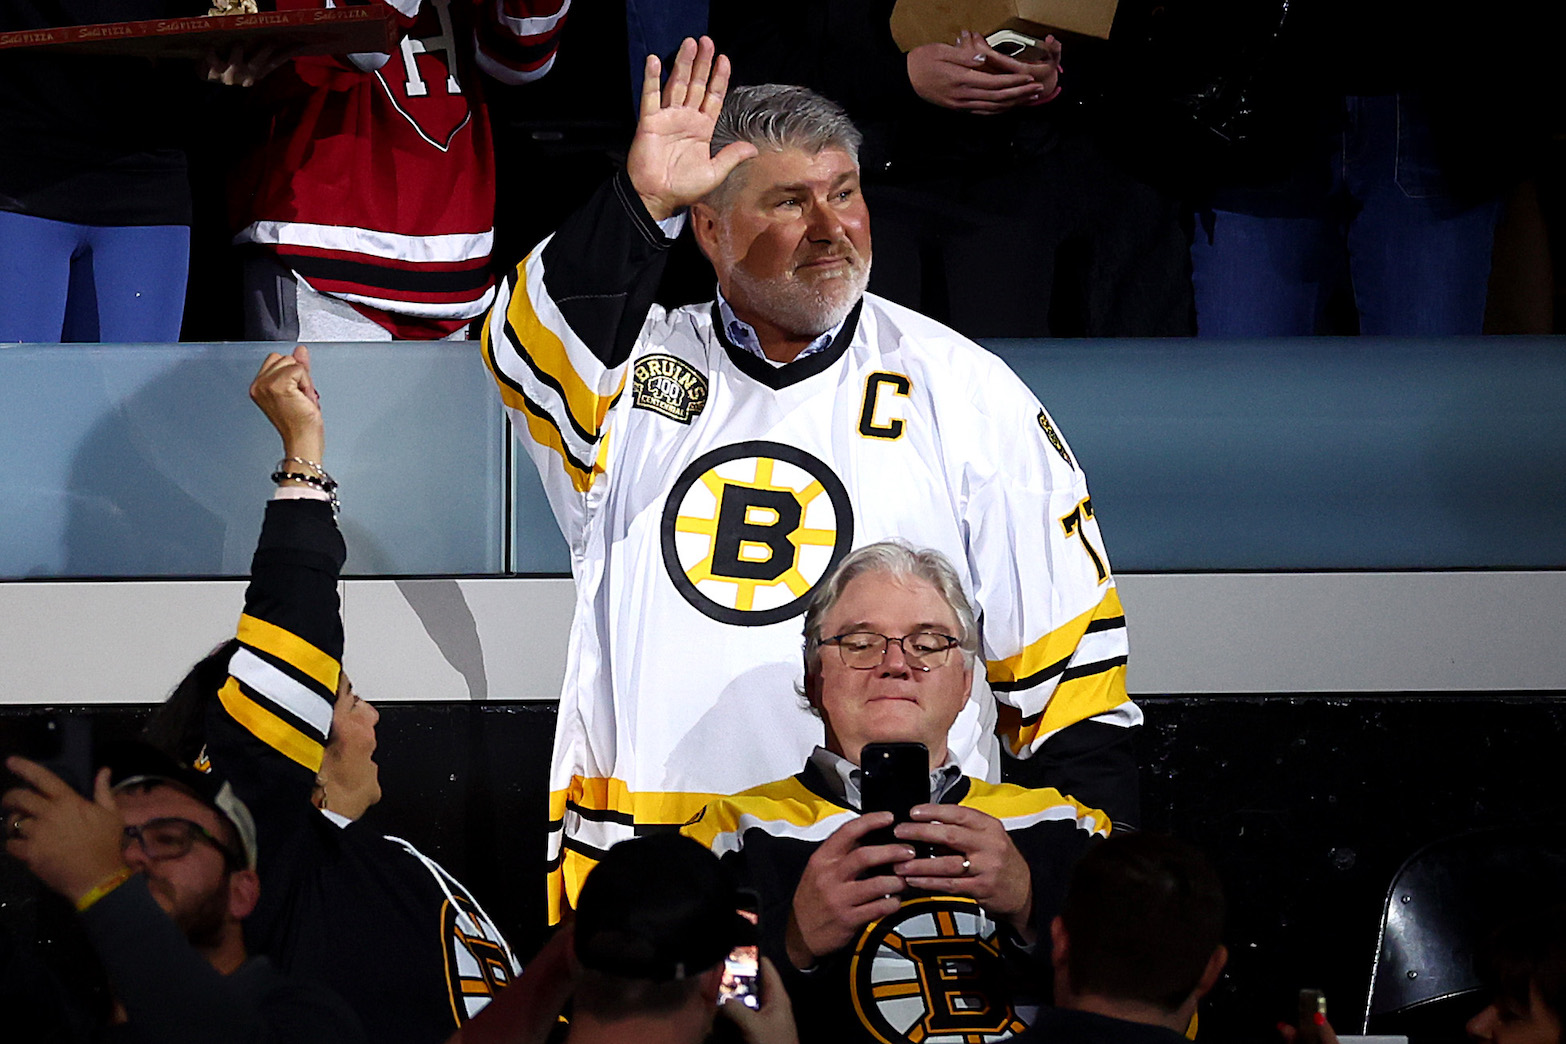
x=193, y=832
x=916, y=660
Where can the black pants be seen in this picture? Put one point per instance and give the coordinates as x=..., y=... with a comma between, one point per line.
x=1063, y=244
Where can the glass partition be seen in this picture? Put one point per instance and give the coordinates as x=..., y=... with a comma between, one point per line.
x=1321, y=454
x=150, y=460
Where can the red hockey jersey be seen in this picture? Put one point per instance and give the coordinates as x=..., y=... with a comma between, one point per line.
x=376, y=182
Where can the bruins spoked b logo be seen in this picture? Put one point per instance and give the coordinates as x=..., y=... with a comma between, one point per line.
x=750, y=529
x=477, y=963
x=932, y=973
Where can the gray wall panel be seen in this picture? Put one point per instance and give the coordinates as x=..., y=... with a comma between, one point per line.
x=505, y=639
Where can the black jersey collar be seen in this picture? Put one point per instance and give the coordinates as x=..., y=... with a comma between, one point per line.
x=778, y=377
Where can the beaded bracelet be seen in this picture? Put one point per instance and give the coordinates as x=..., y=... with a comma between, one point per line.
x=103, y=888
x=312, y=465
x=323, y=482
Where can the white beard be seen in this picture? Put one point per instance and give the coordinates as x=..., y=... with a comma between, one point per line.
x=801, y=308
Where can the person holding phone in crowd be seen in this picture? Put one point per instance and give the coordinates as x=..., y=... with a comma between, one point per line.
x=852, y=920
x=160, y=863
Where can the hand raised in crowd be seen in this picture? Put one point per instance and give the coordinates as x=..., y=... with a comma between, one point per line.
x=975, y=77
x=831, y=903
x=670, y=162
x=773, y=1023
x=69, y=843
x=985, y=866
x=286, y=394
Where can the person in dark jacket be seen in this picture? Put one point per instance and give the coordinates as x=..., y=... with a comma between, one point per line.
x=381, y=923
x=160, y=865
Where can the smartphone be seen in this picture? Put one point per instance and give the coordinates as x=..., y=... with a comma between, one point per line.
x=62, y=743
x=894, y=777
x=742, y=968
x=1312, y=1004
x=1017, y=45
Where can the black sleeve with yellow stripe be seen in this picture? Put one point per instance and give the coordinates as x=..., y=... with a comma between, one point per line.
x=602, y=268
x=269, y=726
x=560, y=335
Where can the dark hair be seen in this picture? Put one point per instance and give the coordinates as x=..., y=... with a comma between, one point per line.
x=610, y=998
x=1529, y=954
x=178, y=726
x=1144, y=914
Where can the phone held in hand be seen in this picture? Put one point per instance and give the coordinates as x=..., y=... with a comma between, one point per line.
x=742, y=968
x=1017, y=45
x=1313, y=1015
x=894, y=777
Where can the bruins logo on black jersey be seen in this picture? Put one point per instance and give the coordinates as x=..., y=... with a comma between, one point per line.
x=931, y=974
x=749, y=529
x=477, y=964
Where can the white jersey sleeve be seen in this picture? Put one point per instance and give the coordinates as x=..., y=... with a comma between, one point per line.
x=559, y=340
x=1054, y=630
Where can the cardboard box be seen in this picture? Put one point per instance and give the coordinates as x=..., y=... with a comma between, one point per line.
x=919, y=22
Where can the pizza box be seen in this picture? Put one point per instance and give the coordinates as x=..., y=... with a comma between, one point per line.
x=339, y=30
x=919, y=22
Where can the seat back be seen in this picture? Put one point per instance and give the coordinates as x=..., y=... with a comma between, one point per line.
x=1444, y=901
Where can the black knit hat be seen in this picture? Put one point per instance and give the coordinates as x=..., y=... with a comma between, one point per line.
x=657, y=908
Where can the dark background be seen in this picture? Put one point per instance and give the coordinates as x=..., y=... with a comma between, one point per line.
x=1308, y=804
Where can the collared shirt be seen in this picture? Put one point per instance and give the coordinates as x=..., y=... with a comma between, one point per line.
x=737, y=329
x=744, y=335
x=843, y=776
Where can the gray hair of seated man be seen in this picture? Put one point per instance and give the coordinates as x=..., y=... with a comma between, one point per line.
x=897, y=559
x=779, y=116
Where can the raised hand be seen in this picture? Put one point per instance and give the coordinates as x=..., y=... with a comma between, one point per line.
x=286, y=394
x=68, y=842
x=670, y=163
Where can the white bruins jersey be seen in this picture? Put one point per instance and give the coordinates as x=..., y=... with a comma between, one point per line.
x=704, y=493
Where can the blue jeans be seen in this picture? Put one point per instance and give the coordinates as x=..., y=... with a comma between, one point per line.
x=1376, y=210
x=64, y=282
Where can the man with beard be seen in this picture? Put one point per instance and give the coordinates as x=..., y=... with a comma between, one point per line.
x=160, y=864
x=710, y=464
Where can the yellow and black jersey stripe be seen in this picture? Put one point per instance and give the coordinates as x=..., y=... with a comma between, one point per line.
x=283, y=677
x=560, y=335
x=602, y=812
x=1075, y=672
x=793, y=808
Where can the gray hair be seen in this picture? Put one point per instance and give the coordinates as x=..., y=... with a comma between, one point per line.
x=780, y=116
x=897, y=559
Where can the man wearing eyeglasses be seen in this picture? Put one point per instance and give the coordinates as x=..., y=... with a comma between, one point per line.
x=873, y=935
x=160, y=865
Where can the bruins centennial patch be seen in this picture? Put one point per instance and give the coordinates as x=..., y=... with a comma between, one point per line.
x=932, y=973
x=748, y=531
x=669, y=386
